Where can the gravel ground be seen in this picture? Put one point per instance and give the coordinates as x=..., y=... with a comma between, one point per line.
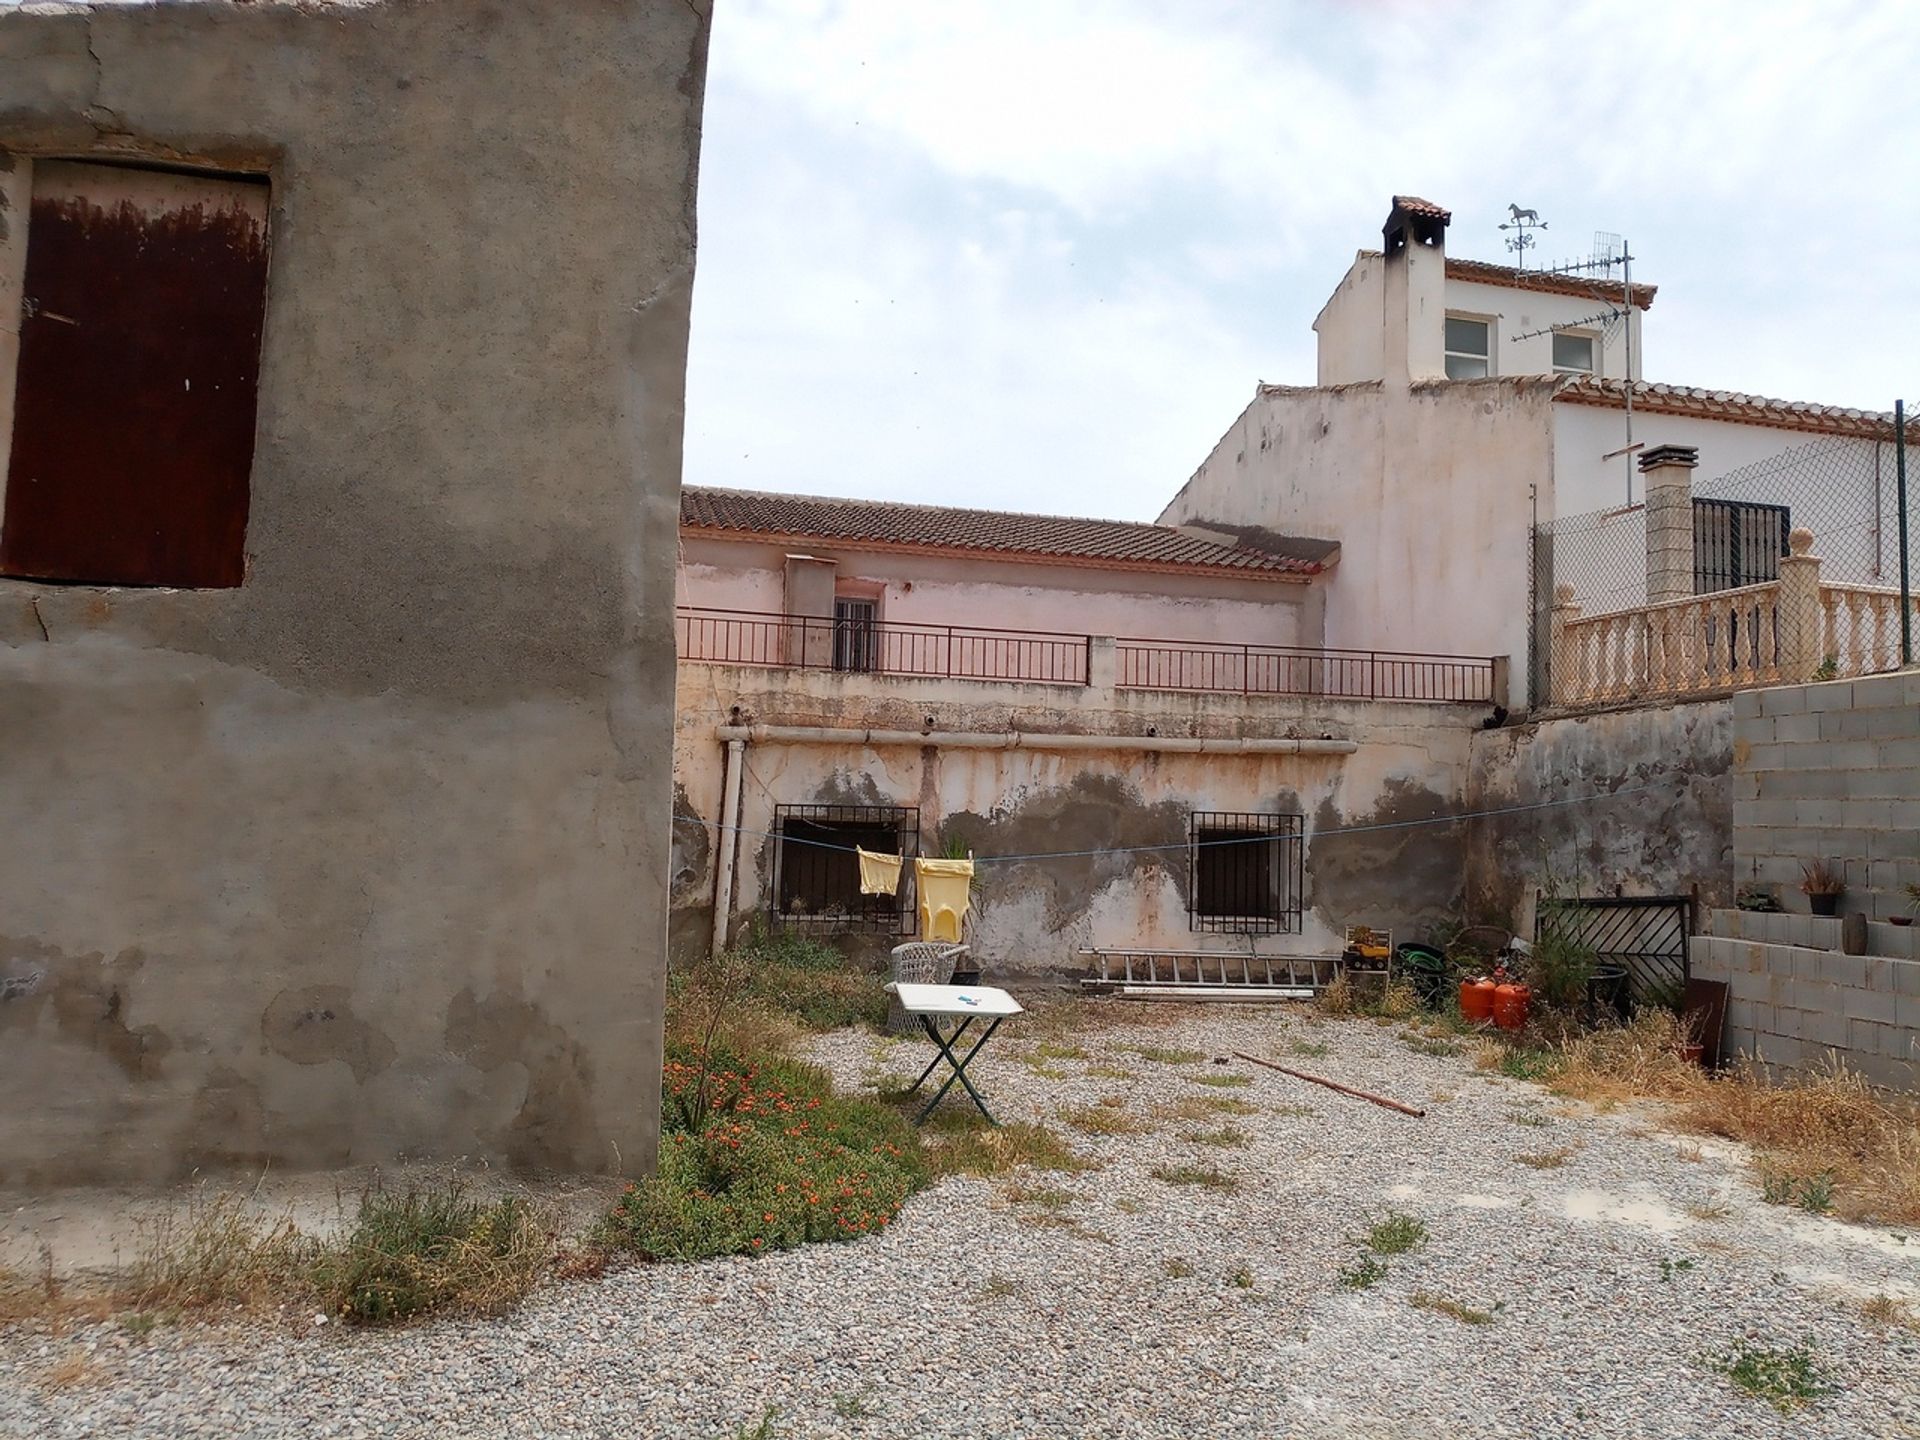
x=1137, y=1307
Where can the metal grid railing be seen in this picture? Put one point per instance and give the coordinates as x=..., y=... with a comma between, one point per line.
x=1245, y=872
x=857, y=644
x=816, y=874
x=1285, y=670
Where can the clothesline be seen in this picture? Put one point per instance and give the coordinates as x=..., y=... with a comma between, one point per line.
x=1178, y=845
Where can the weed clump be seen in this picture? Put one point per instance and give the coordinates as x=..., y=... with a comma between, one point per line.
x=1784, y=1377
x=431, y=1251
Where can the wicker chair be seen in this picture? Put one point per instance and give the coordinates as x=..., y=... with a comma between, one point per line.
x=919, y=962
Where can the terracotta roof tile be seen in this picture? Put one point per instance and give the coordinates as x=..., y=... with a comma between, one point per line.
x=1414, y=205
x=885, y=524
x=1729, y=405
x=1590, y=286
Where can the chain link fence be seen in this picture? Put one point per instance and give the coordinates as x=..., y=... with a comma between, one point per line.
x=1786, y=570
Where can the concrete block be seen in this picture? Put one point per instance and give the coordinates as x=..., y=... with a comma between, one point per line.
x=1799, y=728
x=1865, y=1004
x=1746, y=708
x=1806, y=964
x=1780, y=1050
x=1809, y=995
x=1906, y=1013
x=1834, y=695
x=1906, y=978
x=1844, y=970
x=1897, y=843
x=1769, y=756
x=1786, y=700
x=1824, y=1027
x=1891, y=1073
x=1908, y=686
x=1865, y=1037
x=1897, y=754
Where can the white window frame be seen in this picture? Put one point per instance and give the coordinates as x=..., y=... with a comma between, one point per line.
x=1591, y=337
x=1449, y=354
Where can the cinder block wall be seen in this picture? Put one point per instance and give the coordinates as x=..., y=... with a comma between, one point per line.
x=1792, y=1004
x=1829, y=772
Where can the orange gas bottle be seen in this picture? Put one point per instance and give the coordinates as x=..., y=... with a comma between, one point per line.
x=1476, y=999
x=1511, y=1002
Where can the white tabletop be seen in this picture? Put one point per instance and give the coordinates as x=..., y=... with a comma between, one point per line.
x=954, y=999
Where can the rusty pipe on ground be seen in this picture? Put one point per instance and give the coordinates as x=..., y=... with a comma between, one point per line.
x=1334, y=1085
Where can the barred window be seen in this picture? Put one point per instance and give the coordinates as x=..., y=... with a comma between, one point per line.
x=816, y=875
x=1245, y=872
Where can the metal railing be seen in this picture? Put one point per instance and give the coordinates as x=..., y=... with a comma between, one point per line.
x=1285, y=670
x=883, y=647
x=886, y=647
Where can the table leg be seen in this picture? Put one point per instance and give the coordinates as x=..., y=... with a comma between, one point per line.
x=960, y=1072
x=932, y=1027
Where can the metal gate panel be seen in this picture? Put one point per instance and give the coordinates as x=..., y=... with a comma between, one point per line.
x=1646, y=934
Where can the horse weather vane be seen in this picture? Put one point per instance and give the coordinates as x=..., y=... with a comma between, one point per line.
x=1522, y=223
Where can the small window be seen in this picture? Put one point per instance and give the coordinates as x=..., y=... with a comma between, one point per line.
x=1246, y=872
x=142, y=306
x=1572, y=354
x=1469, y=348
x=816, y=875
x=856, y=634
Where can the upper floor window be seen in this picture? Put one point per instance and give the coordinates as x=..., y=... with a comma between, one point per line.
x=141, y=311
x=1572, y=353
x=856, y=633
x=1469, y=348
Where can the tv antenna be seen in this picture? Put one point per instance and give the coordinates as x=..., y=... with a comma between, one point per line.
x=1610, y=250
x=1522, y=223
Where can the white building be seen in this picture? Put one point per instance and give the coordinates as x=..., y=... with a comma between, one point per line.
x=1459, y=404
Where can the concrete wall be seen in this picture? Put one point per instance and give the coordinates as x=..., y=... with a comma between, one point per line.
x=1794, y=1000
x=1033, y=916
x=1426, y=489
x=1062, y=599
x=367, y=857
x=1663, y=826
x=1830, y=772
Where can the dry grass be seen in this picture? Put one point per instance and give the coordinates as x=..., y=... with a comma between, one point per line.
x=1177, y=1268
x=1547, y=1159
x=1709, y=1210
x=1885, y=1310
x=1109, y=1072
x=1103, y=1119
x=1227, y=1137
x=1440, y=1305
x=969, y=1146
x=1827, y=1128
x=66, y=1373
x=1206, y=1177
x=217, y=1252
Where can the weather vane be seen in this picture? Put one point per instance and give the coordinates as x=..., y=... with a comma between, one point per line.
x=1523, y=223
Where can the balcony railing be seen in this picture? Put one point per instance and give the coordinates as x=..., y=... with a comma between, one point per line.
x=1284, y=670
x=885, y=647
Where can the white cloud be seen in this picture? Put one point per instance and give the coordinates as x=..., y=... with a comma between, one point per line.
x=1037, y=253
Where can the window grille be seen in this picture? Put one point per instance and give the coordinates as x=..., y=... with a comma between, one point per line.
x=856, y=635
x=1246, y=872
x=1737, y=543
x=816, y=875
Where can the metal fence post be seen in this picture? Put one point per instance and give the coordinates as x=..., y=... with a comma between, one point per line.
x=1900, y=488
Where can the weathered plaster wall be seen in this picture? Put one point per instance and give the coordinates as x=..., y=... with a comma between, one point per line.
x=1426, y=488
x=1664, y=826
x=1035, y=915
x=999, y=595
x=368, y=857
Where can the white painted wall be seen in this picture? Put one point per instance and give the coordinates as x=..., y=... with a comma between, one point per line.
x=1349, y=326
x=1001, y=595
x=1426, y=489
x=1515, y=312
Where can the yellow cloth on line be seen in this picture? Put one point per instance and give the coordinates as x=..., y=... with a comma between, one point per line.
x=879, y=874
x=946, y=889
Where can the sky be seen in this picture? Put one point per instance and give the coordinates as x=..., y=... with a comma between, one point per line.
x=1036, y=254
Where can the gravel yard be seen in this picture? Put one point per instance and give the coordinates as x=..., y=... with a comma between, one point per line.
x=1578, y=1271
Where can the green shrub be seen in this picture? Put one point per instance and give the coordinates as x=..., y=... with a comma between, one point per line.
x=782, y=1161
x=435, y=1250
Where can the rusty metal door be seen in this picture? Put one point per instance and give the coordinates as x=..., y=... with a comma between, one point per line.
x=139, y=370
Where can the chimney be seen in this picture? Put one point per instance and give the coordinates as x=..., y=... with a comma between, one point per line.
x=1414, y=318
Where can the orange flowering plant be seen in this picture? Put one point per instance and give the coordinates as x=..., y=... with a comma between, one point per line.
x=779, y=1161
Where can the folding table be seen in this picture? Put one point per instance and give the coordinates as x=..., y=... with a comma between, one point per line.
x=930, y=1004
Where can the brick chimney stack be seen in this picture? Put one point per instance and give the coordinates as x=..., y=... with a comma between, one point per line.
x=1414, y=305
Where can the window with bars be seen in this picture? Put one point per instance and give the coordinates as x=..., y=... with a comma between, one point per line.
x=856, y=634
x=1737, y=543
x=1245, y=872
x=816, y=874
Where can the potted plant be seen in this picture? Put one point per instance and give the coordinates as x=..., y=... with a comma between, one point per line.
x=1913, y=905
x=1822, y=884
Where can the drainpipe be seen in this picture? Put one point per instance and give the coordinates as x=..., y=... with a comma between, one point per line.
x=727, y=856
x=1022, y=740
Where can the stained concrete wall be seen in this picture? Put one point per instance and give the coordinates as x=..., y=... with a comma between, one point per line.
x=368, y=857
x=1662, y=824
x=1793, y=1000
x=1830, y=772
x=1409, y=766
